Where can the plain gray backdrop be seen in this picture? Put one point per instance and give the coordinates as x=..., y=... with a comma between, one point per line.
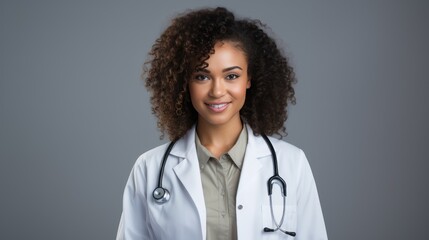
x=74, y=114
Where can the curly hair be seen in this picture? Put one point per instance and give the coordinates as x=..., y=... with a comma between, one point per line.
x=185, y=46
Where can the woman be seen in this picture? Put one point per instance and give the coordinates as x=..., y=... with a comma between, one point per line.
x=218, y=85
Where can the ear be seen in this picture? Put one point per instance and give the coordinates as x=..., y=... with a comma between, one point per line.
x=248, y=84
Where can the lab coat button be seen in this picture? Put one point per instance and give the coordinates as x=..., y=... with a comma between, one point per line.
x=240, y=207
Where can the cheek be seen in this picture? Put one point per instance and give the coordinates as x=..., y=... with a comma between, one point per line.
x=195, y=92
x=240, y=90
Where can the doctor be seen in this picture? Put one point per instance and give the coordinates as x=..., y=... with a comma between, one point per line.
x=217, y=85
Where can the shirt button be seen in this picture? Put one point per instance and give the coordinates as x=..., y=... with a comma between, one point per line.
x=240, y=207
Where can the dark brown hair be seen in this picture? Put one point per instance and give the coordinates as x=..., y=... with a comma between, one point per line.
x=185, y=45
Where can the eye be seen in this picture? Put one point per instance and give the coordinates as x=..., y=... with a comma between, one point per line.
x=232, y=76
x=201, y=77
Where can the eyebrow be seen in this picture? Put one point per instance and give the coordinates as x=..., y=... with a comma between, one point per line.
x=224, y=70
x=231, y=68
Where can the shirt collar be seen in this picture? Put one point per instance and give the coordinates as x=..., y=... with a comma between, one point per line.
x=236, y=153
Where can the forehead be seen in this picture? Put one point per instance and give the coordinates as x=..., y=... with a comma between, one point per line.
x=231, y=43
x=226, y=52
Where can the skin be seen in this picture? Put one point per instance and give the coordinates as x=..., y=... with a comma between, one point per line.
x=218, y=92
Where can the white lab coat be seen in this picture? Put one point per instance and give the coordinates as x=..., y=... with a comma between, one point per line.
x=183, y=217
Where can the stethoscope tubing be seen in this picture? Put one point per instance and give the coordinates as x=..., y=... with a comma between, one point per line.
x=164, y=160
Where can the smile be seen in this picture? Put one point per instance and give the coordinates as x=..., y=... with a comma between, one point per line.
x=218, y=107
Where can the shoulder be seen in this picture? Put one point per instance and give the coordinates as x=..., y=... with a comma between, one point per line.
x=152, y=155
x=288, y=153
x=280, y=146
x=180, y=148
x=283, y=146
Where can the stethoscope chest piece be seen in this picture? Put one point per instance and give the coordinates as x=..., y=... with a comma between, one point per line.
x=161, y=195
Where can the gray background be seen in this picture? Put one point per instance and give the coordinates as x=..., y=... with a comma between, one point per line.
x=75, y=116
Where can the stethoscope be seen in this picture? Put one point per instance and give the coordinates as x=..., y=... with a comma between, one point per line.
x=161, y=195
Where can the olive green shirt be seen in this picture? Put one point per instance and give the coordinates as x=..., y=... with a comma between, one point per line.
x=220, y=179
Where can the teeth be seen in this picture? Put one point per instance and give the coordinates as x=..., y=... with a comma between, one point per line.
x=217, y=105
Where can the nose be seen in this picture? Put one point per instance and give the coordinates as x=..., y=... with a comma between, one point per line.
x=217, y=88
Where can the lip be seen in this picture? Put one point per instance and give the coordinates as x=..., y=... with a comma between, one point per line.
x=217, y=107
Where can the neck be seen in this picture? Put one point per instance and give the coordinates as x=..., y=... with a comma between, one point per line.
x=219, y=139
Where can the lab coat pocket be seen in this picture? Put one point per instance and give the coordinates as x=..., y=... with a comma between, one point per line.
x=289, y=221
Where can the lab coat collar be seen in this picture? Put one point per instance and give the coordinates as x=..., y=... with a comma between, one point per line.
x=256, y=146
x=185, y=146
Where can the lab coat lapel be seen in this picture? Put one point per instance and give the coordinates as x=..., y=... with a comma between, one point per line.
x=188, y=172
x=256, y=148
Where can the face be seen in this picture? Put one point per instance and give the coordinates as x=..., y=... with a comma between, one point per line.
x=218, y=92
